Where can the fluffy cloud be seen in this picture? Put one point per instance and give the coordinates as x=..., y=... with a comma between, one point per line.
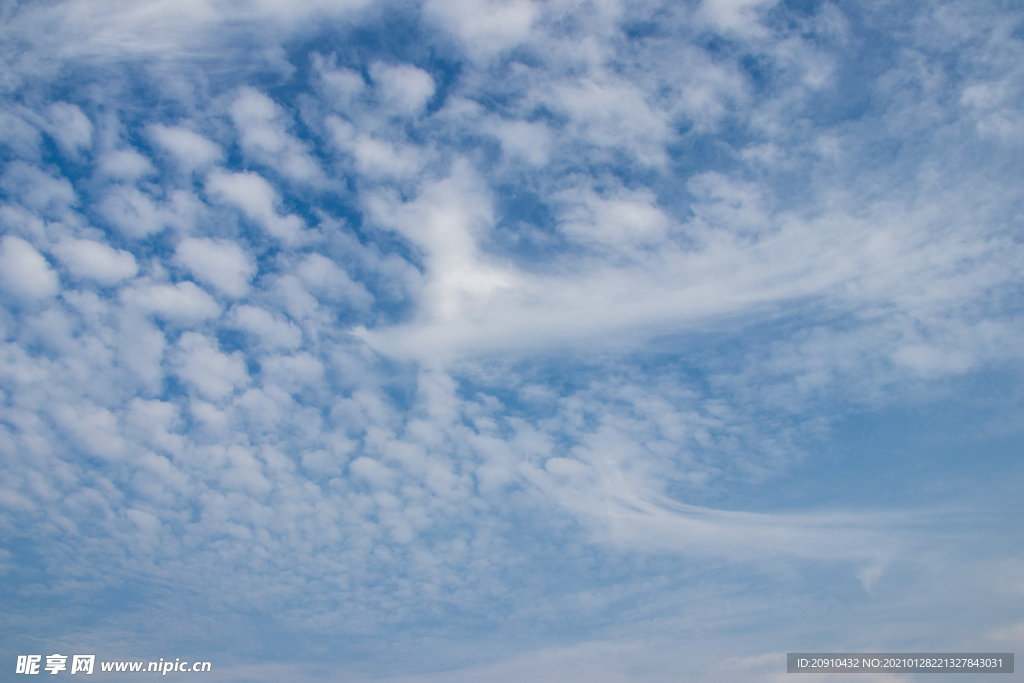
x=219, y=263
x=402, y=87
x=486, y=26
x=257, y=199
x=191, y=149
x=70, y=127
x=125, y=164
x=183, y=302
x=24, y=270
x=271, y=330
x=96, y=261
x=262, y=126
x=212, y=373
x=132, y=212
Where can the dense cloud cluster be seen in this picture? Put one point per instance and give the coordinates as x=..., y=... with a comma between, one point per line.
x=468, y=317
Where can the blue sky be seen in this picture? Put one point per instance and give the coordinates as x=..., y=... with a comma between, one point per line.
x=473, y=340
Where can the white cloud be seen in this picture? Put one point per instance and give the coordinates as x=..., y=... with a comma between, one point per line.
x=140, y=344
x=623, y=218
x=486, y=27
x=263, y=127
x=342, y=87
x=375, y=157
x=403, y=87
x=19, y=135
x=740, y=16
x=928, y=360
x=183, y=302
x=96, y=261
x=93, y=428
x=529, y=141
x=614, y=113
x=377, y=475
x=323, y=276
x=24, y=271
x=191, y=149
x=293, y=373
x=215, y=375
x=271, y=330
x=126, y=164
x=148, y=523
x=257, y=199
x=725, y=204
x=37, y=189
x=445, y=221
x=132, y=212
x=219, y=263
x=70, y=127
x=112, y=30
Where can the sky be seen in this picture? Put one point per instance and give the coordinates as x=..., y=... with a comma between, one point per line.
x=509, y=340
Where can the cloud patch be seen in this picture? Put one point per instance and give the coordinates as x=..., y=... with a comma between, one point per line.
x=222, y=264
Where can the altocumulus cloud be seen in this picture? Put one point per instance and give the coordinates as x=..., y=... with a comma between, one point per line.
x=473, y=340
